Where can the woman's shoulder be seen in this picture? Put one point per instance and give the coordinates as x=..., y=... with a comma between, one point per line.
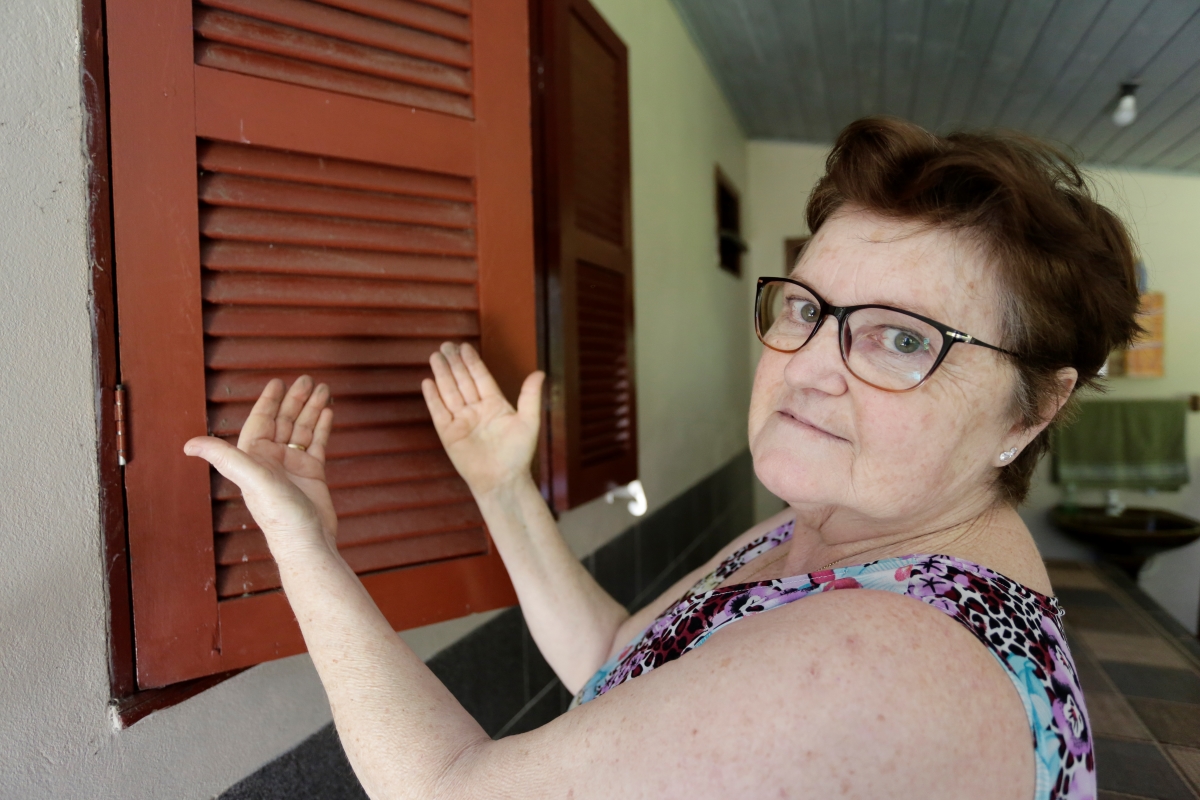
x=858, y=692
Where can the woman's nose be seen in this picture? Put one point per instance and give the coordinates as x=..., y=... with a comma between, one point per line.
x=818, y=364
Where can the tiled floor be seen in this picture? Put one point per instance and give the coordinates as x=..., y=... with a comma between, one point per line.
x=1141, y=679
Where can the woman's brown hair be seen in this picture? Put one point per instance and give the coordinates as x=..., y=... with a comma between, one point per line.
x=1064, y=262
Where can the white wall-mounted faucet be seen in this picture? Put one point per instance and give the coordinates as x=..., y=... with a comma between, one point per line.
x=632, y=492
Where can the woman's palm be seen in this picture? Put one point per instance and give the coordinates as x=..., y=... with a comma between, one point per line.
x=489, y=442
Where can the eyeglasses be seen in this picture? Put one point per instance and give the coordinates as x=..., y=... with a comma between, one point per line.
x=886, y=347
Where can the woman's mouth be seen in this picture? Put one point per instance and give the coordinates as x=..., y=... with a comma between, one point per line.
x=801, y=422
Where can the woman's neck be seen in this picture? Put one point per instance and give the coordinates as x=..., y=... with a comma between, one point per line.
x=820, y=540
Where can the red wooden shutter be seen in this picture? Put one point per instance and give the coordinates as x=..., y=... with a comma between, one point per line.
x=329, y=188
x=585, y=251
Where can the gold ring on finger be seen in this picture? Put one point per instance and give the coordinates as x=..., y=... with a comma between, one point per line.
x=295, y=446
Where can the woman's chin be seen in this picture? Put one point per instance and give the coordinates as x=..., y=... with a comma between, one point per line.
x=795, y=480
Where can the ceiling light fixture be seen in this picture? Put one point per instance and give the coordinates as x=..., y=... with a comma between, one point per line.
x=1126, y=111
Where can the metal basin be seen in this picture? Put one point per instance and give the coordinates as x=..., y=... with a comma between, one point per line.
x=1129, y=539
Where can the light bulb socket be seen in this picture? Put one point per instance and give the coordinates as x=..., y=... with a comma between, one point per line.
x=1125, y=111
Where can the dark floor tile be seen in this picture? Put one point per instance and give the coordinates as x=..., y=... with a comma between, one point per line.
x=1174, y=723
x=1111, y=715
x=706, y=547
x=1175, y=631
x=1121, y=796
x=1091, y=676
x=564, y=697
x=1163, y=683
x=1091, y=598
x=485, y=670
x=616, y=567
x=538, y=672
x=316, y=769
x=653, y=550
x=1137, y=768
x=1187, y=760
x=544, y=707
x=1116, y=620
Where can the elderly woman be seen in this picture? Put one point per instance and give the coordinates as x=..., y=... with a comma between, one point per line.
x=956, y=292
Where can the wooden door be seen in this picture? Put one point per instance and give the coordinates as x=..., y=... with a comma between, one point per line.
x=330, y=188
x=585, y=252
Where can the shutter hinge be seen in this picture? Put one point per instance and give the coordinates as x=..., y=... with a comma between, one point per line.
x=119, y=419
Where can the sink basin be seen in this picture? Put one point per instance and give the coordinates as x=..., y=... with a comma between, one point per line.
x=1129, y=539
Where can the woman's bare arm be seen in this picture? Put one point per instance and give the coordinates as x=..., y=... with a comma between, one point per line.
x=852, y=692
x=571, y=618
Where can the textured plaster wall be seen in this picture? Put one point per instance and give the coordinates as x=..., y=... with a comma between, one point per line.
x=1163, y=212
x=57, y=740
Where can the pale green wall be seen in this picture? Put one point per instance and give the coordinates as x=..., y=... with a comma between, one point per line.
x=1163, y=212
x=691, y=328
x=781, y=176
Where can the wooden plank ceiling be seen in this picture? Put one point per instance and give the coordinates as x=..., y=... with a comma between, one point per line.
x=802, y=69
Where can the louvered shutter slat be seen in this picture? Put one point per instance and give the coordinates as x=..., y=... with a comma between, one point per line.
x=263, y=576
x=232, y=516
x=341, y=25
x=353, y=413
x=228, y=256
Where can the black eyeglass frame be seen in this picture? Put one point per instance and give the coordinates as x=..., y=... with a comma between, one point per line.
x=950, y=336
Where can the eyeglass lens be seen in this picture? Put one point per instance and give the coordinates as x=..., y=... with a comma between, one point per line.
x=888, y=349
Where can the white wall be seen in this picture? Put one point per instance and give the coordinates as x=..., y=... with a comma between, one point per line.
x=57, y=740
x=1163, y=212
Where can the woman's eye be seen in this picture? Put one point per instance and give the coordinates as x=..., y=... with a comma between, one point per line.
x=906, y=342
x=808, y=312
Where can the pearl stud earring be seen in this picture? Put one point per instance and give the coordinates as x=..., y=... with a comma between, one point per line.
x=1007, y=455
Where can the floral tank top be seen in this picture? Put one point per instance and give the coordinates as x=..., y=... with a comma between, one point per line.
x=1020, y=628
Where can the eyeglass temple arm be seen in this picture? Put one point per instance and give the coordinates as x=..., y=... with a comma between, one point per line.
x=967, y=338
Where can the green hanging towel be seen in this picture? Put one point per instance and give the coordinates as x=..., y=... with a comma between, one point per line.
x=1124, y=444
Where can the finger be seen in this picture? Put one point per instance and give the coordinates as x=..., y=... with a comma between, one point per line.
x=320, y=436
x=261, y=422
x=529, y=402
x=302, y=430
x=466, y=384
x=437, y=409
x=482, y=376
x=228, y=460
x=290, y=408
x=446, y=385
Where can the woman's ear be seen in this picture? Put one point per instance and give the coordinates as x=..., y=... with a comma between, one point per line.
x=1067, y=378
x=1019, y=436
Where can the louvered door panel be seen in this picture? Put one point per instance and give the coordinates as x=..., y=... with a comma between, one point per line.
x=605, y=389
x=289, y=196
x=327, y=188
x=587, y=254
x=396, y=51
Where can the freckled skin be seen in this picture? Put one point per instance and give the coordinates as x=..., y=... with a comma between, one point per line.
x=847, y=693
x=899, y=466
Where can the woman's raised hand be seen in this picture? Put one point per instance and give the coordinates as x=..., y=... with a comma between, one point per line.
x=279, y=464
x=490, y=442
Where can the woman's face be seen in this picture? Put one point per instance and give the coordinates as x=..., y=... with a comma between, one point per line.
x=823, y=439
